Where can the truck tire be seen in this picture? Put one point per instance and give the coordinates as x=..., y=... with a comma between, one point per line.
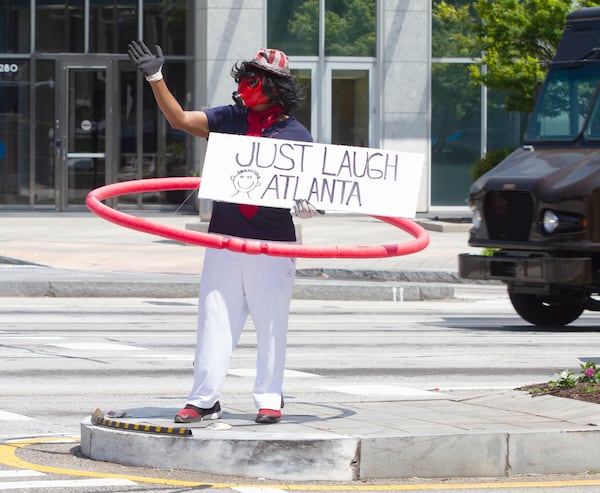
x=546, y=311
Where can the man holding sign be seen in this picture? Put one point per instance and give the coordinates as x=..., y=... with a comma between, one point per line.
x=235, y=285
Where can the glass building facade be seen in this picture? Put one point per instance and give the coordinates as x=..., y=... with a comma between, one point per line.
x=466, y=121
x=75, y=114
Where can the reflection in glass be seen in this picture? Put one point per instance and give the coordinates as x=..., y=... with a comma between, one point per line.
x=293, y=26
x=14, y=132
x=350, y=107
x=592, y=129
x=443, y=33
x=87, y=132
x=87, y=115
x=174, y=145
x=504, y=128
x=168, y=24
x=350, y=28
x=455, y=133
x=44, y=133
x=303, y=112
x=564, y=103
x=113, y=24
x=15, y=19
x=165, y=151
x=59, y=26
x=128, y=168
x=83, y=175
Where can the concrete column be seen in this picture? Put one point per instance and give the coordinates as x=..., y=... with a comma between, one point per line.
x=406, y=57
x=227, y=31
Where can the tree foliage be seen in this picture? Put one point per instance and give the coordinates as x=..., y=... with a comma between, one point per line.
x=516, y=40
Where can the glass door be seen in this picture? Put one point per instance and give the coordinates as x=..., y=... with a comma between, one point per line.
x=83, y=130
x=351, y=109
x=339, y=107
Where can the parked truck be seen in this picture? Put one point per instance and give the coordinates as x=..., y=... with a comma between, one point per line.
x=537, y=213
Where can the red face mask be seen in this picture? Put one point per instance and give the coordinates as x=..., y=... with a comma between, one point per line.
x=249, y=93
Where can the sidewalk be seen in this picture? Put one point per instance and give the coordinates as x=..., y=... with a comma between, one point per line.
x=89, y=256
x=84, y=241
x=421, y=433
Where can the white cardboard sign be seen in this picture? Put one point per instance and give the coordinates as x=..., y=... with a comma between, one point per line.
x=275, y=172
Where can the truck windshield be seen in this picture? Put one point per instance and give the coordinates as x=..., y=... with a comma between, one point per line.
x=564, y=103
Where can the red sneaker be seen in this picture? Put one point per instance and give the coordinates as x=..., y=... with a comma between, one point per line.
x=191, y=414
x=268, y=416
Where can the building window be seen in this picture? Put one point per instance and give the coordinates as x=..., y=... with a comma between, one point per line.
x=350, y=28
x=302, y=113
x=59, y=26
x=15, y=20
x=350, y=107
x=455, y=133
x=45, y=192
x=504, y=129
x=336, y=63
x=112, y=25
x=14, y=132
x=293, y=26
x=165, y=151
x=442, y=42
x=466, y=121
x=167, y=23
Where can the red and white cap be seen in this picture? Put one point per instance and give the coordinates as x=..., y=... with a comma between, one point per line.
x=271, y=60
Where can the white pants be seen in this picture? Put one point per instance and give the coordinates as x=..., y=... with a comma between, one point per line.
x=234, y=285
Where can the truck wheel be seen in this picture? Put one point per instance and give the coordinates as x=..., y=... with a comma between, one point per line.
x=547, y=311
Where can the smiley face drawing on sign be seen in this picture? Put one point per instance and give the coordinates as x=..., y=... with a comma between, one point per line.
x=244, y=181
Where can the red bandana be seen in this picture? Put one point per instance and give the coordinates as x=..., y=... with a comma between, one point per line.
x=257, y=122
x=260, y=120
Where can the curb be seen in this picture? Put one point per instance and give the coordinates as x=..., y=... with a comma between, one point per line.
x=33, y=281
x=497, y=435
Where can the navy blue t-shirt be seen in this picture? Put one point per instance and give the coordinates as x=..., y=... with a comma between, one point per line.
x=260, y=223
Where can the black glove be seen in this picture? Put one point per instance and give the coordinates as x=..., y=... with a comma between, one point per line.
x=146, y=61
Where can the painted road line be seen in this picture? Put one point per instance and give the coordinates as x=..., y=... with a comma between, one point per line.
x=20, y=473
x=96, y=346
x=36, y=338
x=65, y=483
x=6, y=416
x=250, y=489
x=251, y=373
x=391, y=391
x=8, y=458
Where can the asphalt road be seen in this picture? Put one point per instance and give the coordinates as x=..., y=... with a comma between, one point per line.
x=60, y=358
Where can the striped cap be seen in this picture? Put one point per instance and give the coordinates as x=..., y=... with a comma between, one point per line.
x=271, y=60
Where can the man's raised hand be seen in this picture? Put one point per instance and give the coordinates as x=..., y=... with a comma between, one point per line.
x=146, y=61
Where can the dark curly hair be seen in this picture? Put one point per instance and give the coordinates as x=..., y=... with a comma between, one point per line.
x=284, y=90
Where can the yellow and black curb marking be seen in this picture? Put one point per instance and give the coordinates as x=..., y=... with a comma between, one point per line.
x=99, y=420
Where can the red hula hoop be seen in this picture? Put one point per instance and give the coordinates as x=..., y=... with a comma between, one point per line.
x=275, y=248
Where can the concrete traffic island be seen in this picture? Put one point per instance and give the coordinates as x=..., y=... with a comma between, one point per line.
x=423, y=434
x=233, y=445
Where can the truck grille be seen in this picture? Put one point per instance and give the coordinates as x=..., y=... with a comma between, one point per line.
x=508, y=215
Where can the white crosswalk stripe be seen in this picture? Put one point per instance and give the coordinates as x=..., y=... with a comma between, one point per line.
x=66, y=483
x=6, y=416
x=250, y=489
x=20, y=473
x=95, y=346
